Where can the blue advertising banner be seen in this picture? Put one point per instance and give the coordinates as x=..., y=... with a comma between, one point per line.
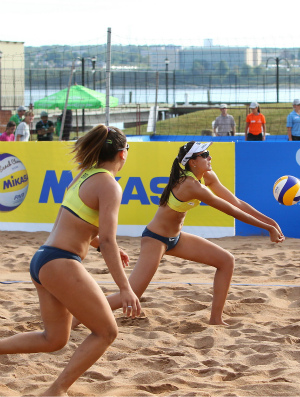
x=258, y=166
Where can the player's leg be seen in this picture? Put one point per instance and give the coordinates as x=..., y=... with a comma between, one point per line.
x=151, y=253
x=200, y=250
x=56, y=319
x=76, y=290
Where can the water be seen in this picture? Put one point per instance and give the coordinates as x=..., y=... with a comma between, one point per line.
x=202, y=95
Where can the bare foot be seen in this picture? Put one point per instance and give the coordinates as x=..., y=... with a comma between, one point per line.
x=51, y=392
x=217, y=322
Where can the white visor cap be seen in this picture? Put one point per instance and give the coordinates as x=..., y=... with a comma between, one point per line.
x=196, y=148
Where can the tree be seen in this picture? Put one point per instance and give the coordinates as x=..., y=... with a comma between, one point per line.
x=222, y=68
x=246, y=70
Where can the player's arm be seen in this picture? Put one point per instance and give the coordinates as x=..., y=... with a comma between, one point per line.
x=124, y=257
x=205, y=195
x=109, y=197
x=214, y=184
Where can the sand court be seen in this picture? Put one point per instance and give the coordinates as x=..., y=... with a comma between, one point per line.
x=170, y=350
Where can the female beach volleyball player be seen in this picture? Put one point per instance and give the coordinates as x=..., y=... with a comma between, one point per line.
x=88, y=216
x=163, y=234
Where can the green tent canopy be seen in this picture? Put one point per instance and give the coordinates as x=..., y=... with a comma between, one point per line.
x=80, y=97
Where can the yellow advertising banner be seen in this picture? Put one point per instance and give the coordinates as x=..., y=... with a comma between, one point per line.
x=34, y=177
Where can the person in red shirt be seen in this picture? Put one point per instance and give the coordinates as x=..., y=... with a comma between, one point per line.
x=9, y=134
x=255, y=124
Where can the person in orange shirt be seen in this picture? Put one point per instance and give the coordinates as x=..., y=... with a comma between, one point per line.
x=255, y=124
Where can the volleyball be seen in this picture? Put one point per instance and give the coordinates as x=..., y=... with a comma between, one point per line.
x=13, y=182
x=286, y=190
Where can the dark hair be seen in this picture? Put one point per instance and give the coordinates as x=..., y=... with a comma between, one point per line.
x=11, y=124
x=258, y=108
x=100, y=144
x=177, y=174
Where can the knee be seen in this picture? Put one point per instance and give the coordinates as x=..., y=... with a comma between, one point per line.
x=111, y=334
x=228, y=262
x=108, y=335
x=231, y=261
x=55, y=342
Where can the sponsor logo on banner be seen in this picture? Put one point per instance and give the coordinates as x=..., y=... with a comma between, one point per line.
x=50, y=169
x=13, y=182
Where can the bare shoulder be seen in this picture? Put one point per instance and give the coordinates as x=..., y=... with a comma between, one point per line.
x=210, y=177
x=105, y=182
x=100, y=188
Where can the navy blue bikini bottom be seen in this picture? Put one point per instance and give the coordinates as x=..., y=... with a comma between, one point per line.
x=46, y=254
x=169, y=241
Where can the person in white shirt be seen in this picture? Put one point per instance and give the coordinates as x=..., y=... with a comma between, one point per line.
x=224, y=124
x=23, y=130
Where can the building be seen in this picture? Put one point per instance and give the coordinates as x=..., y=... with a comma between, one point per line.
x=209, y=57
x=12, y=75
x=180, y=58
x=162, y=57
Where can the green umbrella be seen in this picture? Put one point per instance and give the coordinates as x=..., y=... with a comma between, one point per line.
x=80, y=97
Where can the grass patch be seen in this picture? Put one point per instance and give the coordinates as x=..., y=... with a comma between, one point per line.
x=194, y=123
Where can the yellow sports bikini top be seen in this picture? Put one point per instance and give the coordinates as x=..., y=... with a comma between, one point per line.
x=73, y=203
x=182, y=206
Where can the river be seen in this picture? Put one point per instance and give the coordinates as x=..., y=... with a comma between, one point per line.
x=201, y=95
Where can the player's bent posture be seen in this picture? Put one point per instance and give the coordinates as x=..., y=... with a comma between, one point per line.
x=163, y=235
x=88, y=215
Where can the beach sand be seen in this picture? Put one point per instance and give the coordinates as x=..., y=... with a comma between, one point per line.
x=170, y=350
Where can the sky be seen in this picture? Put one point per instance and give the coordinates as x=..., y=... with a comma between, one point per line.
x=85, y=22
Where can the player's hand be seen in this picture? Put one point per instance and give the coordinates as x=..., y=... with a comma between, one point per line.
x=130, y=303
x=124, y=258
x=276, y=236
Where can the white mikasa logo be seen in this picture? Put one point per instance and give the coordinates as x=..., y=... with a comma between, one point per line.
x=191, y=203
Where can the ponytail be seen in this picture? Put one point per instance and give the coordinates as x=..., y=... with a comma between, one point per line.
x=177, y=174
x=100, y=144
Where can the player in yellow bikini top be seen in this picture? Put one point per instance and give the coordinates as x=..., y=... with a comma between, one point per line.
x=73, y=203
x=182, y=206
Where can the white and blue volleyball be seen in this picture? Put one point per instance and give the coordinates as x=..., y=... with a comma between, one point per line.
x=13, y=182
x=286, y=190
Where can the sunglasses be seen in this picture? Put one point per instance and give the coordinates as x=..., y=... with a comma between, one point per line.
x=204, y=154
x=126, y=147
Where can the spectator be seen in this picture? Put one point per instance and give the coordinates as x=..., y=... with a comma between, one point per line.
x=44, y=128
x=293, y=122
x=23, y=130
x=8, y=135
x=225, y=123
x=19, y=116
x=255, y=124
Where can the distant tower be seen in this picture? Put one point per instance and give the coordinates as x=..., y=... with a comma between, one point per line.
x=208, y=42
